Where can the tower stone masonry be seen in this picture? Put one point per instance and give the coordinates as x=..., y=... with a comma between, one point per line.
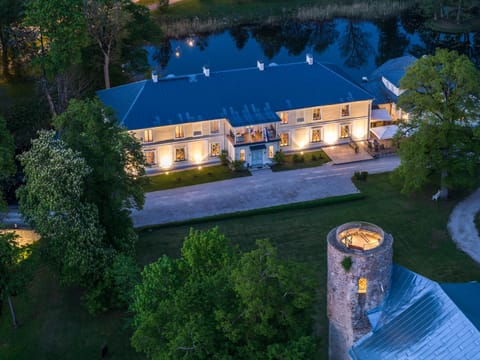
x=359, y=258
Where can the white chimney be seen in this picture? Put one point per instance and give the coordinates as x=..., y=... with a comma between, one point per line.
x=154, y=76
x=206, y=71
x=309, y=59
x=260, y=65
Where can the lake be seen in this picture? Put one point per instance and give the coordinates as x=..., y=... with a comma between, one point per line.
x=356, y=46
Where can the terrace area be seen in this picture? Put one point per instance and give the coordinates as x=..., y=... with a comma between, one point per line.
x=252, y=134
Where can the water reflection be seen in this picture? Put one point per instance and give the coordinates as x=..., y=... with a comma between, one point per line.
x=357, y=46
x=392, y=41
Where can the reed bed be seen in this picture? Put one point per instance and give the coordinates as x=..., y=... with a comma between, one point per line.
x=179, y=27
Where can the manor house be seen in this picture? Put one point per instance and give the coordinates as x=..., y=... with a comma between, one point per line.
x=250, y=113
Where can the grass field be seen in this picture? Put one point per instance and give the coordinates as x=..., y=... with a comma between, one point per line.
x=55, y=326
x=191, y=177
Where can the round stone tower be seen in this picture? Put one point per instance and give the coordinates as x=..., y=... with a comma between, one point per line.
x=359, y=257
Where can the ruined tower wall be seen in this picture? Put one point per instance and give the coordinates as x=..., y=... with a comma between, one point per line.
x=353, y=292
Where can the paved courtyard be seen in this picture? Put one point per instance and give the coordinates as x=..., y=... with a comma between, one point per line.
x=263, y=189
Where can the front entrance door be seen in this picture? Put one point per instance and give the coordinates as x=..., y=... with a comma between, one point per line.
x=257, y=157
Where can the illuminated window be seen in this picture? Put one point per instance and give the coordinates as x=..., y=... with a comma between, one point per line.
x=284, y=118
x=344, y=131
x=149, y=157
x=214, y=127
x=362, y=285
x=271, y=151
x=197, y=129
x=317, y=114
x=346, y=110
x=300, y=116
x=316, y=135
x=148, y=136
x=284, y=139
x=242, y=155
x=180, y=154
x=215, y=149
x=179, y=132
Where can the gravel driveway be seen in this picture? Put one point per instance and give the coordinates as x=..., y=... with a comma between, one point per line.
x=263, y=189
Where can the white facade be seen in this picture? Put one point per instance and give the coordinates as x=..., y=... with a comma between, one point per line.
x=197, y=143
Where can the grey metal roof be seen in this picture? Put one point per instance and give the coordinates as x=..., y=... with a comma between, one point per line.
x=243, y=96
x=418, y=320
x=393, y=70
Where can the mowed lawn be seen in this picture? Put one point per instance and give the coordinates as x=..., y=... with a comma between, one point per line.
x=55, y=326
x=200, y=175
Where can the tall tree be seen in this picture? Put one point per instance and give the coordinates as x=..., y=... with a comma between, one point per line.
x=62, y=35
x=215, y=303
x=55, y=200
x=13, y=274
x=442, y=95
x=52, y=202
x=106, y=24
x=117, y=162
x=10, y=16
x=7, y=152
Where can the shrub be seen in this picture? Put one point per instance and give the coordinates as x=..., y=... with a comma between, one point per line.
x=224, y=157
x=237, y=165
x=298, y=158
x=314, y=158
x=347, y=263
x=279, y=157
x=361, y=175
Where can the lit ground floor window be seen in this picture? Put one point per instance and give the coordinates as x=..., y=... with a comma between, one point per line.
x=180, y=154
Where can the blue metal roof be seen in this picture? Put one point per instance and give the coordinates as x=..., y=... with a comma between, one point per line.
x=393, y=70
x=243, y=96
x=418, y=320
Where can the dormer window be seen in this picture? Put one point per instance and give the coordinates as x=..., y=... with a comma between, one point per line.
x=346, y=110
x=148, y=136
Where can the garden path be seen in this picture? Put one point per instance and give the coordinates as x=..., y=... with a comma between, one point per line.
x=462, y=228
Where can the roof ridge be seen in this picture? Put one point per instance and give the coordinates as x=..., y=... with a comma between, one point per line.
x=346, y=79
x=134, y=101
x=182, y=76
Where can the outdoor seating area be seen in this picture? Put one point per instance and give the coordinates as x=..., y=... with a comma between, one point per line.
x=252, y=135
x=377, y=148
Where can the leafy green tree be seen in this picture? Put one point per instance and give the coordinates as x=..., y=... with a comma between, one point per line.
x=106, y=24
x=215, y=303
x=116, y=160
x=13, y=275
x=55, y=201
x=10, y=16
x=442, y=95
x=52, y=202
x=62, y=35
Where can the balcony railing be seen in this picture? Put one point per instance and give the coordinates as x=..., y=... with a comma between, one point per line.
x=253, y=136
